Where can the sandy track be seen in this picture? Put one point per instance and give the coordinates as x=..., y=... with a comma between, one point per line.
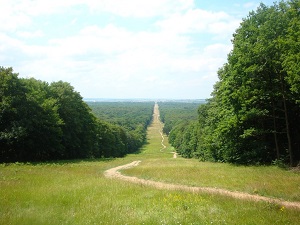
x=174, y=155
x=157, y=121
x=162, y=141
x=115, y=173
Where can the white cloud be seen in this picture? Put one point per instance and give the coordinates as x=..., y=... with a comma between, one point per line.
x=18, y=13
x=10, y=18
x=250, y=5
x=217, y=50
x=30, y=34
x=138, y=8
x=198, y=20
x=174, y=56
x=112, y=58
x=93, y=39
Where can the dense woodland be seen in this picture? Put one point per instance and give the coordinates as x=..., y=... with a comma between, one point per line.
x=179, y=120
x=129, y=115
x=41, y=121
x=174, y=113
x=132, y=118
x=253, y=115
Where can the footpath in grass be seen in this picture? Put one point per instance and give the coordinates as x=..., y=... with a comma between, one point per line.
x=77, y=192
x=153, y=170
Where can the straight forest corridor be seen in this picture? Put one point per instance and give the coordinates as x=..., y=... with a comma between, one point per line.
x=156, y=138
x=147, y=187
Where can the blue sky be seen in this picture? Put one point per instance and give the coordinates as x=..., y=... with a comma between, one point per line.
x=122, y=48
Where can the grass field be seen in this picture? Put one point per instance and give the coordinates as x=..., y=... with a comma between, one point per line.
x=76, y=192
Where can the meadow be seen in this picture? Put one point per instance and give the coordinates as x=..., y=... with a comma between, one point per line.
x=76, y=192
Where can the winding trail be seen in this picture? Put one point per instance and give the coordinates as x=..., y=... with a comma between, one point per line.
x=162, y=141
x=114, y=173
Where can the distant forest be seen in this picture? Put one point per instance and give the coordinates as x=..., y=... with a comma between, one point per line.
x=41, y=121
x=253, y=115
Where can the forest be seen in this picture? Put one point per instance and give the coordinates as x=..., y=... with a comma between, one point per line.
x=131, y=118
x=253, y=116
x=173, y=113
x=179, y=120
x=130, y=115
x=41, y=121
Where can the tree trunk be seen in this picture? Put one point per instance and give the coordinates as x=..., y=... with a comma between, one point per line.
x=287, y=126
x=275, y=132
x=288, y=132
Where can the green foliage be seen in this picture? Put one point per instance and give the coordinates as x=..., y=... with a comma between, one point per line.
x=253, y=115
x=180, y=123
x=130, y=115
x=41, y=122
x=79, y=126
x=12, y=121
x=174, y=113
x=253, y=97
x=126, y=130
x=184, y=137
x=291, y=44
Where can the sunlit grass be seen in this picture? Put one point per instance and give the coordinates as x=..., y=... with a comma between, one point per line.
x=266, y=181
x=263, y=180
x=78, y=193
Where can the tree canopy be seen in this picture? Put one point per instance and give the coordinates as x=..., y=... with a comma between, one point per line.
x=41, y=121
x=254, y=115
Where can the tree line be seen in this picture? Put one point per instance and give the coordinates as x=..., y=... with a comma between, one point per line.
x=41, y=121
x=180, y=119
x=253, y=115
x=174, y=113
x=132, y=117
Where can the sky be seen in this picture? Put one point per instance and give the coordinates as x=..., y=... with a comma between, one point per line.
x=158, y=49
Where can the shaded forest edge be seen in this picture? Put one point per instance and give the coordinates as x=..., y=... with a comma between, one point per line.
x=41, y=122
x=253, y=116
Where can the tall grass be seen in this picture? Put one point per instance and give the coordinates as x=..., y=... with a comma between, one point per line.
x=78, y=193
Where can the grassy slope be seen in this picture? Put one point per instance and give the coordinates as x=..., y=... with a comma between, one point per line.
x=78, y=193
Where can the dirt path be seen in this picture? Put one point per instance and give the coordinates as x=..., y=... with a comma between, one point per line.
x=162, y=141
x=157, y=120
x=116, y=174
x=174, y=155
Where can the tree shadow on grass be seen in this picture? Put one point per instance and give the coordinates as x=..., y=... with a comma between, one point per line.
x=61, y=162
x=141, y=149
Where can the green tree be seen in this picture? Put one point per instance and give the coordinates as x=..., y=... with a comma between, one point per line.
x=12, y=104
x=43, y=124
x=29, y=124
x=291, y=44
x=78, y=123
x=252, y=106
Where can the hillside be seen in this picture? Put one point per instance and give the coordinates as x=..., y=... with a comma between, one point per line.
x=77, y=192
